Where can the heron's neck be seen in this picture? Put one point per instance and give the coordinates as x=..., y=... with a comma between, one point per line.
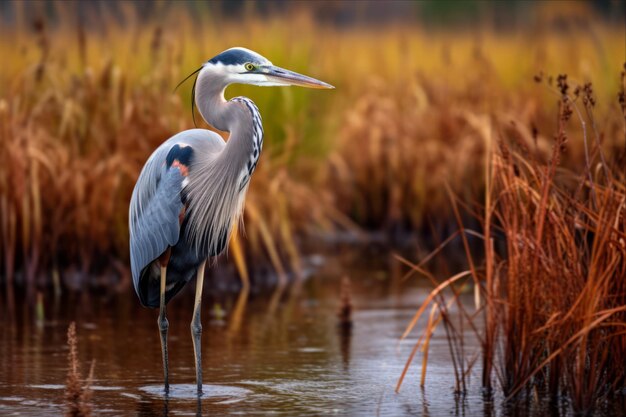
x=238, y=116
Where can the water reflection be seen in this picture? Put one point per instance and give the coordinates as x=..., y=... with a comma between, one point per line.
x=283, y=353
x=154, y=402
x=344, y=332
x=237, y=315
x=152, y=407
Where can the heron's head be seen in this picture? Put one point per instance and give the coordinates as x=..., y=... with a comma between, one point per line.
x=243, y=66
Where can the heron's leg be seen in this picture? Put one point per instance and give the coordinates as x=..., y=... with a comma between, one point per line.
x=196, y=326
x=163, y=326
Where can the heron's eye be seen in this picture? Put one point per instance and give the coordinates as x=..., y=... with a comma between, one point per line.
x=249, y=66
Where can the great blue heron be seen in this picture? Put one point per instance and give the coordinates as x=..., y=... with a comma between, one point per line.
x=192, y=188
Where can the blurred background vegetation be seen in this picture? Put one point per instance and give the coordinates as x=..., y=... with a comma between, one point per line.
x=423, y=89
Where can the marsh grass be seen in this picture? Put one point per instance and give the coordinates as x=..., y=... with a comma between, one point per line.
x=551, y=316
x=78, y=392
x=84, y=100
x=74, y=137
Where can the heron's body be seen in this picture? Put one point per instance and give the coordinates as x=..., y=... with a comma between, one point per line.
x=167, y=188
x=192, y=189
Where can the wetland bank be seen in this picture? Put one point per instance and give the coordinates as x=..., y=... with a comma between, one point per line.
x=466, y=175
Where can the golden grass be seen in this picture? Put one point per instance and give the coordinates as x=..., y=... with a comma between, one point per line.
x=81, y=110
x=553, y=280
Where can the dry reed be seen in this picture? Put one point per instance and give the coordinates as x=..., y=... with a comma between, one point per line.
x=81, y=110
x=553, y=278
x=78, y=392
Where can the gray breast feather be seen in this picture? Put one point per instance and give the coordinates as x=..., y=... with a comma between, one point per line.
x=158, y=225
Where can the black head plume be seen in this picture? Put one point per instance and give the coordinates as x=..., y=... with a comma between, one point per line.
x=193, y=93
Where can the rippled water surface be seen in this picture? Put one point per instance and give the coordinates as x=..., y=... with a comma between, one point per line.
x=279, y=353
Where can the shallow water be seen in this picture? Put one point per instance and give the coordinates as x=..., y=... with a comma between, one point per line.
x=280, y=353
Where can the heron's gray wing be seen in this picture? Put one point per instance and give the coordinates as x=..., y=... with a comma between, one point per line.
x=158, y=225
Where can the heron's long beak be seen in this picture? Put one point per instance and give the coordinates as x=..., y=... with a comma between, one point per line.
x=286, y=77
